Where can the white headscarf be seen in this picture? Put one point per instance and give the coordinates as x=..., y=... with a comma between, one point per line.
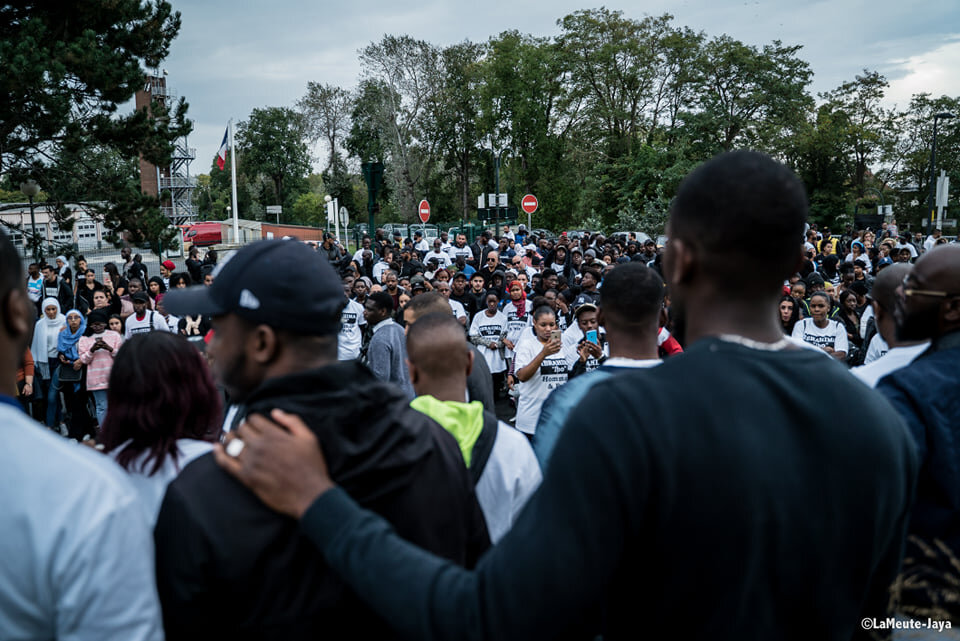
x=66, y=265
x=45, y=331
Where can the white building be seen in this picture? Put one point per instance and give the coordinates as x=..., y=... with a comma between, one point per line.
x=87, y=233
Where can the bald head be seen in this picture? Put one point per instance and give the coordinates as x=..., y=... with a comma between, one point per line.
x=885, y=286
x=439, y=356
x=932, y=308
x=429, y=303
x=939, y=269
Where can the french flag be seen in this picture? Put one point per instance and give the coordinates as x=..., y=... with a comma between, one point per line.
x=222, y=152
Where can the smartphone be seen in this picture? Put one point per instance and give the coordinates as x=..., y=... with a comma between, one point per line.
x=556, y=335
x=593, y=337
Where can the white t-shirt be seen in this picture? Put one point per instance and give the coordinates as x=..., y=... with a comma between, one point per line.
x=551, y=374
x=378, y=270
x=913, y=250
x=173, y=323
x=876, y=349
x=458, y=309
x=516, y=324
x=491, y=329
x=152, y=488
x=571, y=341
x=834, y=335
x=351, y=331
x=456, y=252
x=151, y=321
x=443, y=258
x=864, y=319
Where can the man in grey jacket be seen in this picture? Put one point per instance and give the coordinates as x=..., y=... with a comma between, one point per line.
x=387, y=353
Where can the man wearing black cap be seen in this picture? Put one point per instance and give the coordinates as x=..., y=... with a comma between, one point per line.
x=229, y=568
x=330, y=250
x=458, y=292
x=420, y=243
x=143, y=319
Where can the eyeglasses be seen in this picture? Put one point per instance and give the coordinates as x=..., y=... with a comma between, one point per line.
x=909, y=291
x=491, y=260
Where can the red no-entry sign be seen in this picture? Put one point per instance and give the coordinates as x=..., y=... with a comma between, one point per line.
x=529, y=203
x=424, y=210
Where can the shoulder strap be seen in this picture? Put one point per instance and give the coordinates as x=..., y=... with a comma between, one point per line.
x=484, y=445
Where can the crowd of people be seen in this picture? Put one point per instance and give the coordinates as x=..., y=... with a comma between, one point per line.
x=63, y=377
x=516, y=437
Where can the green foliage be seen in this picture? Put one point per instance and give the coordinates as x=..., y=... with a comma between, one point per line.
x=67, y=69
x=271, y=143
x=601, y=123
x=310, y=209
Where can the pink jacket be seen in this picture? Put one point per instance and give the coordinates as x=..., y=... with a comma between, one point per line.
x=99, y=362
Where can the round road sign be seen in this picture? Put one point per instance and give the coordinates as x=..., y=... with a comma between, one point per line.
x=529, y=203
x=424, y=210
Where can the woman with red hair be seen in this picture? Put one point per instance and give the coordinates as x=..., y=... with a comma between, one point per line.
x=163, y=411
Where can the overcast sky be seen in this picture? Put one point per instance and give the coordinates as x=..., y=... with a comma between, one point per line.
x=232, y=57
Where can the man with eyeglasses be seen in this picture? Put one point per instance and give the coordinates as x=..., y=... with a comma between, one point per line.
x=925, y=395
x=522, y=268
x=885, y=353
x=492, y=265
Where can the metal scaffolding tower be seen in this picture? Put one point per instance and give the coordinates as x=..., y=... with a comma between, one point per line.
x=174, y=185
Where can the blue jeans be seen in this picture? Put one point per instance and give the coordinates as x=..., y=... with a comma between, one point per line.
x=53, y=393
x=100, y=400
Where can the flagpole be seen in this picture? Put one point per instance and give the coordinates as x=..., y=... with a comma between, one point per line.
x=233, y=185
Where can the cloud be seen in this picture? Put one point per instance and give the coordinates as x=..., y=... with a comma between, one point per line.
x=932, y=72
x=231, y=57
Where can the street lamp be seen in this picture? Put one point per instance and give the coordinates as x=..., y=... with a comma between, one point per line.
x=30, y=189
x=497, y=159
x=945, y=115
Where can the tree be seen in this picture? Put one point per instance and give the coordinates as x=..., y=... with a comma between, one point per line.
x=67, y=69
x=748, y=97
x=818, y=154
x=912, y=175
x=326, y=110
x=272, y=143
x=454, y=118
x=870, y=129
x=407, y=72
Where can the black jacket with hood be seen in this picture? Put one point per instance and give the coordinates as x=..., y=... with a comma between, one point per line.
x=230, y=568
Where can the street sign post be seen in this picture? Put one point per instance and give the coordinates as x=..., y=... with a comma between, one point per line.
x=529, y=204
x=424, y=210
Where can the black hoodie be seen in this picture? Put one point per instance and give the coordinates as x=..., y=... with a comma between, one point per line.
x=230, y=568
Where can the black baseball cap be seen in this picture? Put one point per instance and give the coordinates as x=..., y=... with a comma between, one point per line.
x=280, y=283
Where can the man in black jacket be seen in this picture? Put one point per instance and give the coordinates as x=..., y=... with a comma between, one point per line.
x=229, y=568
x=56, y=287
x=704, y=498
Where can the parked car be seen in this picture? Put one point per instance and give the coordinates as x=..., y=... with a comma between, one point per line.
x=624, y=236
x=429, y=231
x=544, y=234
x=202, y=234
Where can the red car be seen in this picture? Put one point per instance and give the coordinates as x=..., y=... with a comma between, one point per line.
x=202, y=234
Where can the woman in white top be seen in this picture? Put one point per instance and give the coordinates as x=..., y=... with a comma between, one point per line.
x=45, y=356
x=487, y=332
x=163, y=411
x=540, y=367
x=821, y=332
x=857, y=252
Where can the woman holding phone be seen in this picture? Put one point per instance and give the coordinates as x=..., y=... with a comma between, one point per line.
x=540, y=367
